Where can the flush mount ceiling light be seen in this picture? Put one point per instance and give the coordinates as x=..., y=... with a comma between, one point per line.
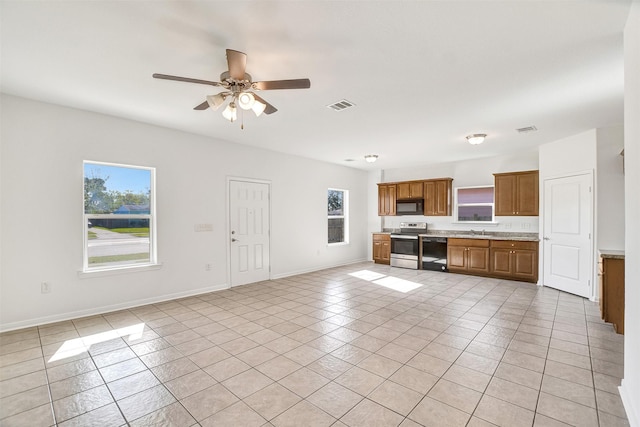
x=370, y=158
x=476, y=138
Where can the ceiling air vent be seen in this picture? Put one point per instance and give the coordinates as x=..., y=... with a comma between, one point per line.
x=527, y=129
x=341, y=105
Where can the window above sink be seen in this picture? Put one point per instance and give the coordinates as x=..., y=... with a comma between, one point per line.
x=474, y=204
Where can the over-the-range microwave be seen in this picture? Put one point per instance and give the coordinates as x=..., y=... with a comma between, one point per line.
x=410, y=207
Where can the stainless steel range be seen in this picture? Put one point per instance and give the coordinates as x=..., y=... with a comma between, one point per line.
x=405, y=244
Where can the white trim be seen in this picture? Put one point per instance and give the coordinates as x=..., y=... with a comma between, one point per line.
x=630, y=405
x=345, y=216
x=456, y=205
x=118, y=270
x=151, y=216
x=109, y=308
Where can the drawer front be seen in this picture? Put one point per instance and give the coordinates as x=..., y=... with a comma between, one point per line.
x=514, y=244
x=382, y=237
x=476, y=243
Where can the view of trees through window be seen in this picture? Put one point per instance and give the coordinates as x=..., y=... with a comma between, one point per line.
x=336, y=207
x=118, y=215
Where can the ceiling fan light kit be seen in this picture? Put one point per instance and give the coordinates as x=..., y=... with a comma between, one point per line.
x=215, y=101
x=231, y=112
x=240, y=88
x=246, y=100
x=476, y=138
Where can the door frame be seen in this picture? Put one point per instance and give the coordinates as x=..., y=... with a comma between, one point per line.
x=592, y=245
x=227, y=228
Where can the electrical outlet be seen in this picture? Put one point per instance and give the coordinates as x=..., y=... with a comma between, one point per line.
x=207, y=267
x=45, y=287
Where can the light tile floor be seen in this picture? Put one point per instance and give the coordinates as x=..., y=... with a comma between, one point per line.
x=361, y=345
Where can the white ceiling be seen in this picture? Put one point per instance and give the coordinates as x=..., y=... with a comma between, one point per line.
x=423, y=74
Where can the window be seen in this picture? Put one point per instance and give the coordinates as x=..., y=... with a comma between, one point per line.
x=119, y=216
x=474, y=204
x=337, y=211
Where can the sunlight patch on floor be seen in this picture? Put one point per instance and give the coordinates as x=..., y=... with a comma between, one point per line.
x=395, y=283
x=77, y=346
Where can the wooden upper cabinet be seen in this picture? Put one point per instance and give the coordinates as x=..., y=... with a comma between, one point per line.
x=409, y=190
x=437, y=197
x=516, y=193
x=386, y=199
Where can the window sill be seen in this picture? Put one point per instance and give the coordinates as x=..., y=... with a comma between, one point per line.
x=337, y=244
x=118, y=270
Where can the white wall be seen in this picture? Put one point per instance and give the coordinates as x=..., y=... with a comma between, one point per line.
x=43, y=147
x=575, y=153
x=465, y=174
x=610, y=185
x=630, y=388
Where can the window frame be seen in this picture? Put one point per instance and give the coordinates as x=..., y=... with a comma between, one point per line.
x=457, y=205
x=151, y=217
x=344, y=216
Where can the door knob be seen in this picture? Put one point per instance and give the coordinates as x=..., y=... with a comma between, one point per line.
x=546, y=238
x=234, y=240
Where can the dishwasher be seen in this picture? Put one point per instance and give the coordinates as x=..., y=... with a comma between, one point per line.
x=434, y=253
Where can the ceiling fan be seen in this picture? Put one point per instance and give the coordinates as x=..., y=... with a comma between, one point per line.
x=239, y=88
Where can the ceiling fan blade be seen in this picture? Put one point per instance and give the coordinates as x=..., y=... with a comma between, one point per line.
x=237, y=62
x=185, y=79
x=202, y=106
x=283, y=84
x=270, y=109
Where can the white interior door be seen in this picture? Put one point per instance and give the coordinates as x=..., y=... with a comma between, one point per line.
x=249, y=231
x=567, y=226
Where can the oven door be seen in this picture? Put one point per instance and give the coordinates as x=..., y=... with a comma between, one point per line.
x=405, y=251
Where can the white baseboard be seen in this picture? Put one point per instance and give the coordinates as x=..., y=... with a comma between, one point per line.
x=137, y=303
x=108, y=308
x=630, y=405
x=313, y=269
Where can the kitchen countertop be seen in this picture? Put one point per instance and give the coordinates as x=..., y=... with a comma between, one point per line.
x=611, y=253
x=459, y=234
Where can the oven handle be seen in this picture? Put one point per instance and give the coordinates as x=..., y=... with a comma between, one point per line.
x=404, y=237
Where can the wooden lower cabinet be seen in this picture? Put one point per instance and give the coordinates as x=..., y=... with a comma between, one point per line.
x=612, y=292
x=505, y=259
x=469, y=256
x=382, y=248
x=516, y=260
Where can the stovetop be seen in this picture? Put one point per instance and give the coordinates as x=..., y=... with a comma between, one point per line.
x=412, y=228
